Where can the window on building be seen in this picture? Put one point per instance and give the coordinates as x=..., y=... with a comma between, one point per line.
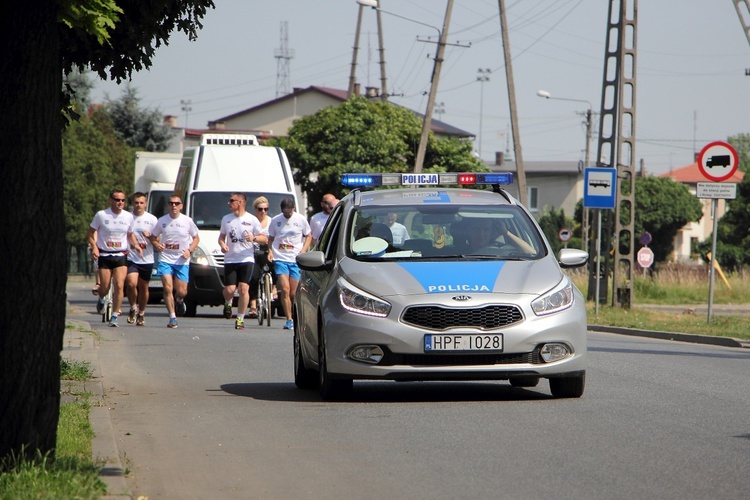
x=533, y=199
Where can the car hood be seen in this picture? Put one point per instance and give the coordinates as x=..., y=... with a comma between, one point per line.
x=413, y=278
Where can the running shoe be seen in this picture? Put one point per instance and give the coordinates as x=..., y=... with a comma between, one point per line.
x=179, y=307
x=172, y=323
x=228, y=311
x=113, y=321
x=239, y=324
x=132, y=315
x=99, y=306
x=289, y=325
x=141, y=321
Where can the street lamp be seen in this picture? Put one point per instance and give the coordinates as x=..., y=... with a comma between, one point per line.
x=187, y=108
x=426, y=124
x=587, y=114
x=482, y=76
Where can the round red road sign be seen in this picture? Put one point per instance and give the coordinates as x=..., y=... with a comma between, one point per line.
x=718, y=161
x=565, y=234
x=645, y=257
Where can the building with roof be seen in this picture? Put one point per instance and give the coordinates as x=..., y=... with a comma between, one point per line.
x=695, y=232
x=549, y=184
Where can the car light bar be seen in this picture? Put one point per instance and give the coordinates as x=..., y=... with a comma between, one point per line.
x=427, y=179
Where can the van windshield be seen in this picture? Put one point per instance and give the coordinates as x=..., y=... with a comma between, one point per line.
x=207, y=208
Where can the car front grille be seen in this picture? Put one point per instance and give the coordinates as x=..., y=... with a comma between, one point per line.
x=532, y=358
x=219, y=258
x=443, y=318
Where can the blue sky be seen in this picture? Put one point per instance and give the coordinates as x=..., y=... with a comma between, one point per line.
x=691, y=83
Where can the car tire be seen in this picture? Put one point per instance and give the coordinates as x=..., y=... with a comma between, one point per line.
x=524, y=381
x=303, y=378
x=568, y=387
x=330, y=389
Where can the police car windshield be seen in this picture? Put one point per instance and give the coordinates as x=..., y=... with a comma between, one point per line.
x=502, y=232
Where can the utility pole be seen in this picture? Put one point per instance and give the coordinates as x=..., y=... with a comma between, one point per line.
x=433, y=91
x=353, y=73
x=521, y=173
x=381, y=50
x=187, y=108
x=482, y=76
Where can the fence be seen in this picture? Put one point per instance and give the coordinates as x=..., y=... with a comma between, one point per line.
x=79, y=261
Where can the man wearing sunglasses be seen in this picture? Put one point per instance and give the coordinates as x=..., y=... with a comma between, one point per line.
x=108, y=236
x=179, y=237
x=239, y=230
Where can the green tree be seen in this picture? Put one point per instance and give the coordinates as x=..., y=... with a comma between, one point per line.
x=551, y=223
x=139, y=127
x=95, y=161
x=364, y=136
x=663, y=219
x=42, y=40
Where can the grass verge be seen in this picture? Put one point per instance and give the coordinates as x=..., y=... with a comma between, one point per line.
x=72, y=474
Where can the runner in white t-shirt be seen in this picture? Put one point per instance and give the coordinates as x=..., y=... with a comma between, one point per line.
x=239, y=230
x=108, y=238
x=179, y=237
x=318, y=221
x=140, y=260
x=289, y=235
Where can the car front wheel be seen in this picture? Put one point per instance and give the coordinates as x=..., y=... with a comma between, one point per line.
x=568, y=387
x=303, y=378
x=330, y=389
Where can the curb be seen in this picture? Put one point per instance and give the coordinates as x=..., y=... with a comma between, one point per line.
x=679, y=337
x=79, y=345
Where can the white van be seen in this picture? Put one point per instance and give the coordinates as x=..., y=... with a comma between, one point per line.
x=208, y=175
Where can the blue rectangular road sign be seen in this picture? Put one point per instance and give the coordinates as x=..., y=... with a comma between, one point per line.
x=599, y=187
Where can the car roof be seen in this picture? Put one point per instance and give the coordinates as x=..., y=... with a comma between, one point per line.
x=436, y=195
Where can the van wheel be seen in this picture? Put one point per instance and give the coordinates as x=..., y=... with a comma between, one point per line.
x=191, y=308
x=330, y=389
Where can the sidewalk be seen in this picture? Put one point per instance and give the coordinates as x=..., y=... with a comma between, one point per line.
x=79, y=345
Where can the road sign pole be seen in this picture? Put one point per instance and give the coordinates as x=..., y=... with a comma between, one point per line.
x=714, y=207
x=598, y=258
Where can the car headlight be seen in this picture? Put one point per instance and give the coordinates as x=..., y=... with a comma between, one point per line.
x=560, y=298
x=199, y=257
x=360, y=302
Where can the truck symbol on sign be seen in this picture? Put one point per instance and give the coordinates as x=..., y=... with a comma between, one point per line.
x=601, y=183
x=718, y=161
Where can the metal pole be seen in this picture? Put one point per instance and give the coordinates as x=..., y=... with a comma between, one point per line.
x=585, y=215
x=353, y=73
x=598, y=257
x=714, y=207
x=427, y=123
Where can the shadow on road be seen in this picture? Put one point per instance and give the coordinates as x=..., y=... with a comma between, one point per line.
x=397, y=392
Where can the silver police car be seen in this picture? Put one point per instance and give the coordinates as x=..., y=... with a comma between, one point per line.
x=434, y=283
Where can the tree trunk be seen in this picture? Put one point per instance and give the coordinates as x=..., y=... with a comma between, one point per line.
x=32, y=273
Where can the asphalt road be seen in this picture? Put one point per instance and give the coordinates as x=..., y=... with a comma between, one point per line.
x=205, y=411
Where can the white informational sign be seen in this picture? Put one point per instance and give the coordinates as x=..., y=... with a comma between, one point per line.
x=717, y=190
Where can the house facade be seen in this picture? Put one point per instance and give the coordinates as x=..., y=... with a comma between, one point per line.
x=549, y=184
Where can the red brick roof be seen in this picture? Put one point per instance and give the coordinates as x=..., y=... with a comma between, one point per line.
x=691, y=174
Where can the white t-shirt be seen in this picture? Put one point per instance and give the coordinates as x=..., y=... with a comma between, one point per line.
x=234, y=228
x=400, y=234
x=112, y=232
x=317, y=222
x=176, y=236
x=144, y=223
x=288, y=236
